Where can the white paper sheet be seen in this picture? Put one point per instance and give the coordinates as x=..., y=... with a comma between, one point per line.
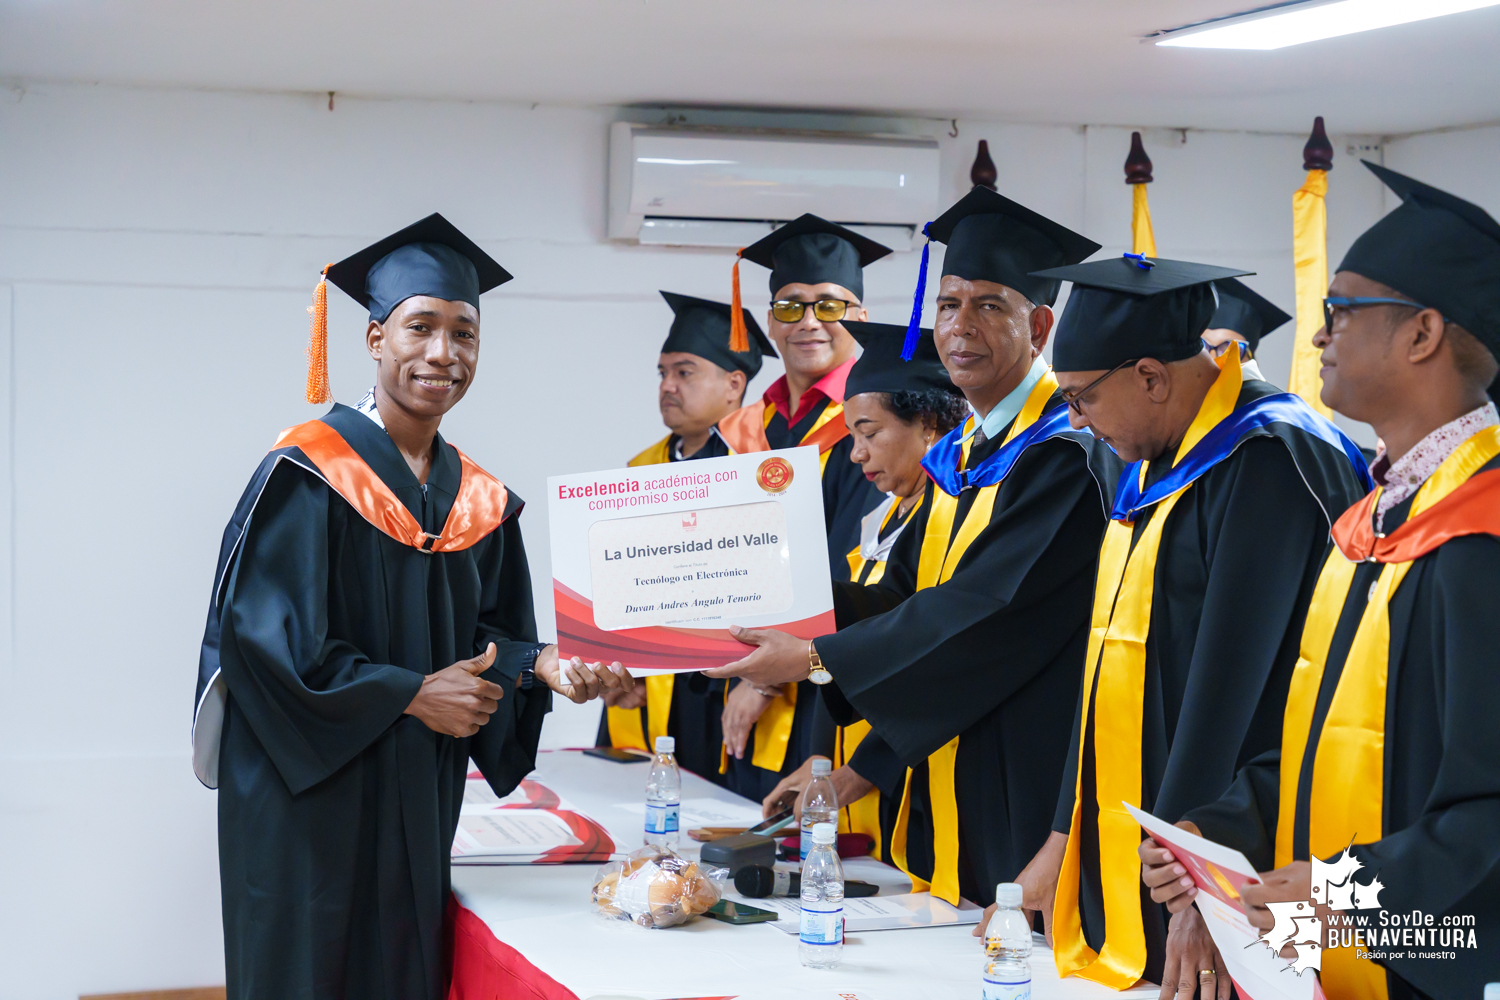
x=703, y=812
x=879, y=913
x=1258, y=972
x=506, y=832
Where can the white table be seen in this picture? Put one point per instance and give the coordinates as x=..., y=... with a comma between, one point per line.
x=544, y=913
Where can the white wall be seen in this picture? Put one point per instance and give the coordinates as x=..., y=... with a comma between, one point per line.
x=157, y=251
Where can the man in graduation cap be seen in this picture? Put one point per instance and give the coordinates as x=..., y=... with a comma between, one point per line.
x=1389, y=741
x=1216, y=534
x=369, y=633
x=965, y=657
x=1243, y=316
x=896, y=409
x=817, y=280
x=702, y=381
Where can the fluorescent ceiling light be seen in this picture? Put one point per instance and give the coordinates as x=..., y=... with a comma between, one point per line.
x=1294, y=23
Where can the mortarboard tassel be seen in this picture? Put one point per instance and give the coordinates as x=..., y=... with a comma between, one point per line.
x=318, y=390
x=914, y=328
x=739, y=337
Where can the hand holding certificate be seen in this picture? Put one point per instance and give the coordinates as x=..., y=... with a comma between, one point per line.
x=652, y=564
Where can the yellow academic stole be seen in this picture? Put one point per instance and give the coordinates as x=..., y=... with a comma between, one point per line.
x=1119, y=626
x=1348, y=779
x=942, y=551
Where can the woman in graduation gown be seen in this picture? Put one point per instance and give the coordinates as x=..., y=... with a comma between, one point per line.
x=895, y=411
x=816, y=282
x=1214, y=543
x=1389, y=742
x=703, y=379
x=965, y=657
x=369, y=633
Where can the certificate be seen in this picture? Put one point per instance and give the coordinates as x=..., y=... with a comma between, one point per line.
x=652, y=564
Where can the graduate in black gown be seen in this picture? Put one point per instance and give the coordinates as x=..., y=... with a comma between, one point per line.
x=702, y=381
x=1390, y=739
x=1243, y=316
x=817, y=281
x=965, y=657
x=896, y=410
x=1219, y=526
x=369, y=633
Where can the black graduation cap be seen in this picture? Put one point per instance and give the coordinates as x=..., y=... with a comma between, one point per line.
x=1133, y=307
x=991, y=238
x=701, y=327
x=1247, y=313
x=881, y=369
x=430, y=257
x=810, y=251
x=1437, y=249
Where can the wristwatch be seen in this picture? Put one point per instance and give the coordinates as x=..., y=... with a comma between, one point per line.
x=819, y=674
x=527, y=677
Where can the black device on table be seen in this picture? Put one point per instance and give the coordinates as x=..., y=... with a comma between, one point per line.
x=773, y=824
x=758, y=882
x=617, y=755
x=731, y=912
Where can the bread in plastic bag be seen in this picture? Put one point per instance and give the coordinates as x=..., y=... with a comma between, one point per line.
x=654, y=887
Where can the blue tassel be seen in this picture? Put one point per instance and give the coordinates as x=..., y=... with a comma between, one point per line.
x=1141, y=261
x=914, y=328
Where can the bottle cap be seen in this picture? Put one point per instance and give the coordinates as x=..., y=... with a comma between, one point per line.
x=822, y=765
x=666, y=744
x=1008, y=894
x=825, y=833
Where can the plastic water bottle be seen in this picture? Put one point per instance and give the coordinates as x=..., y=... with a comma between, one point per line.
x=820, y=804
x=1007, y=948
x=663, y=795
x=821, y=942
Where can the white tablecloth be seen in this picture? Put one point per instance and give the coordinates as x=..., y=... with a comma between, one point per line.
x=544, y=913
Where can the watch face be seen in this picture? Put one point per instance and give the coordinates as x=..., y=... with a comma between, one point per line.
x=820, y=676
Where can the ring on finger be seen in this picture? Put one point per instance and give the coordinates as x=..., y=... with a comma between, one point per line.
x=1206, y=974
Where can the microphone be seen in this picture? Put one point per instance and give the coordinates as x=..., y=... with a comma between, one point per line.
x=758, y=882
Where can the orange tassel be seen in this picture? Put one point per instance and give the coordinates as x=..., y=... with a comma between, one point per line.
x=318, y=390
x=739, y=337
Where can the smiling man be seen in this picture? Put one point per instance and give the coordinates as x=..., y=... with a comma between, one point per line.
x=1216, y=534
x=702, y=381
x=370, y=632
x=817, y=280
x=1390, y=740
x=965, y=657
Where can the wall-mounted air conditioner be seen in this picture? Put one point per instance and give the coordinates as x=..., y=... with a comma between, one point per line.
x=720, y=187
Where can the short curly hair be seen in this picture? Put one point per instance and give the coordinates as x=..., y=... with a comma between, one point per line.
x=943, y=410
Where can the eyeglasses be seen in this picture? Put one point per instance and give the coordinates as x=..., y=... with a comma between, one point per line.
x=1075, y=399
x=1334, y=303
x=826, y=310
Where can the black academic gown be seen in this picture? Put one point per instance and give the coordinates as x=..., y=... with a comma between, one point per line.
x=1441, y=796
x=1235, y=570
x=847, y=497
x=992, y=656
x=337, y=811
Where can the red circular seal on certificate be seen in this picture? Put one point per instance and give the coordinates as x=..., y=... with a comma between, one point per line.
x=774, y=475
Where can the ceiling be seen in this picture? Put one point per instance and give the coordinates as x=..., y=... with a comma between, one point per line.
x=1068, y=61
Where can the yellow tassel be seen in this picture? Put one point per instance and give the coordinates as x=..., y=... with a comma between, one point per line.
x=739, y=336
x=318, y=390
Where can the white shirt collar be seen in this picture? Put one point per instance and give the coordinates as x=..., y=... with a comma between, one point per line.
x=1010, y=407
